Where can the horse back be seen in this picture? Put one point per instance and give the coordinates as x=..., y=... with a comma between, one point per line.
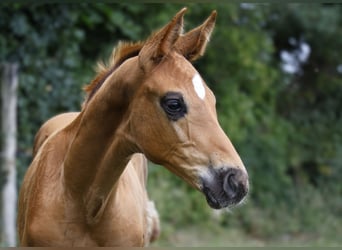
x=52, y=125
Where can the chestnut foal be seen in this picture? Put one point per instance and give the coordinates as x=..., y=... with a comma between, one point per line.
x=86, y=185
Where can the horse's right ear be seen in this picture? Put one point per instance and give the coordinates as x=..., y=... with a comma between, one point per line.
x=192, y=45
x=162, y=42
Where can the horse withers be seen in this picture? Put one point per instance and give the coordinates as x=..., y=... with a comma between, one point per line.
x=86, y=185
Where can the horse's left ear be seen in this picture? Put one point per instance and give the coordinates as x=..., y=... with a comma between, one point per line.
x=192, y=45
x=162, y=42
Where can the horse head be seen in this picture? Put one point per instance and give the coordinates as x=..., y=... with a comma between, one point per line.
x=173, y=118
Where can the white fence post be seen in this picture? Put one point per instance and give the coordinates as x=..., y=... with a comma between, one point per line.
x=9, y=87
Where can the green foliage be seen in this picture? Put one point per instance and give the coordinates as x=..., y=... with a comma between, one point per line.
x=312, y=99
x=287, y=127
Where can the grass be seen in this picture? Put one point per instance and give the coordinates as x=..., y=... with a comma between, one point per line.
x=201, y=236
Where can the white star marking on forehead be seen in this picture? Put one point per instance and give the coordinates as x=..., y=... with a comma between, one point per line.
x=198, y=85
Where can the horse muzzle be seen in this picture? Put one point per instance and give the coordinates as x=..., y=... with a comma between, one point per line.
x=225, y=187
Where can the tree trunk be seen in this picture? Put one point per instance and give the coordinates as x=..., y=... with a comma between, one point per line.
x=9, y=131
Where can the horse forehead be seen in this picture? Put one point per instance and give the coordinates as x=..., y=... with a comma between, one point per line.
x=190, y=79
x=179, y=72
x=179, y=75
x=184, y=67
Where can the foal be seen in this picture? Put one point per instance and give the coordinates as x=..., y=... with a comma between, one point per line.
x=86, y=185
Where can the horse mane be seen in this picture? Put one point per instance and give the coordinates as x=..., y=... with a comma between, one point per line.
x=121, y=53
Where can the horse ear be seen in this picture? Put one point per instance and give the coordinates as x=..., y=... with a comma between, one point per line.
x=162, y=42
x=192, y=45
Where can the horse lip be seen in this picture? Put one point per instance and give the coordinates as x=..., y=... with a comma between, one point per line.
x=218, y=202
x=211, y=200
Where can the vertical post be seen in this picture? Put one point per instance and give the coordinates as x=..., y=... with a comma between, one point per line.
x=9, y=86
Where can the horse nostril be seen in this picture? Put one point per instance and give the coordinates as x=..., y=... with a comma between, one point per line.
x=234, y=183
x=229, y=185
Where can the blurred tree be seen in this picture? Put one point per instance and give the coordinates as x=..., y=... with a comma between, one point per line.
x=295, y=148
x=311, y=95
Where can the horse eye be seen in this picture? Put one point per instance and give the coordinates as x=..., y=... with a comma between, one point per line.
x=173, y=105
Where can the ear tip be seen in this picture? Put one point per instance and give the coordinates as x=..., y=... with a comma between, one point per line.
x=210, y=21
x=183, y=10
x=179, y=16
x=213, y=14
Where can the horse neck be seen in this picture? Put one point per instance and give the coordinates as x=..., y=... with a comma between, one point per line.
x=101, y=147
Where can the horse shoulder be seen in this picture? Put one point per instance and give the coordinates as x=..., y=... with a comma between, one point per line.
x=41, y=195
